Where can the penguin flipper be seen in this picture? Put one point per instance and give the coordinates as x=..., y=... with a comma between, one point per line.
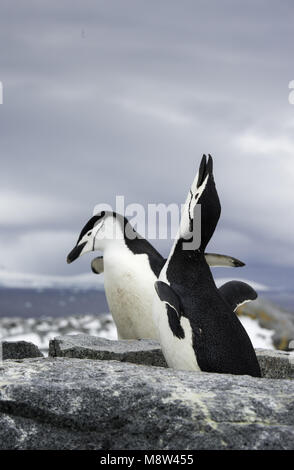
x=173, y=307
x=214, y=259
x=169, y=296
x=220, y=261
x=237, y=293
x=97, y=265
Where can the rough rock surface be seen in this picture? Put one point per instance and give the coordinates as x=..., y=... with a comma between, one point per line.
x=274, y=364
x=18, y=350
x=60, y=403
x=272, y=317
x=146, y=352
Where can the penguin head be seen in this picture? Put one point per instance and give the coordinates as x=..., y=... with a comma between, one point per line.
x=203, y=193
x=101, y=231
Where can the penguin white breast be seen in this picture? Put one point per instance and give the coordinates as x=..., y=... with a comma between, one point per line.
x=179, y=353
x=129, y=287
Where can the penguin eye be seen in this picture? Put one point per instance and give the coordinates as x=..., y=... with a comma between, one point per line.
x=89, y=233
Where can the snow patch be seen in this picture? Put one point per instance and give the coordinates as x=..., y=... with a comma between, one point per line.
x=260, y=337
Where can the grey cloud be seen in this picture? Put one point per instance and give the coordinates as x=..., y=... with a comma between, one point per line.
x=104, y=98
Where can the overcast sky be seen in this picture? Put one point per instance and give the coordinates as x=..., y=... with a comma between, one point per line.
x=106, y=98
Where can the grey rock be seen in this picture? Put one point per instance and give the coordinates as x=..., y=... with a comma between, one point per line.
x=143, y=351
x=63, y=403
x=276, y=364
x=18, y=350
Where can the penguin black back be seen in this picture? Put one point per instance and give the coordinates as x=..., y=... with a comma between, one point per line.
x=186, y=286
x=220, y=342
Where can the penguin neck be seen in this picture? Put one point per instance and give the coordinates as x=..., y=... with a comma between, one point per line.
x=188, y=265
x=115, y=248
x=195, y=257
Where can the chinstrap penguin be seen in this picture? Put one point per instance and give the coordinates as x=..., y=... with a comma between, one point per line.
x=197, y=326
x=131, y=265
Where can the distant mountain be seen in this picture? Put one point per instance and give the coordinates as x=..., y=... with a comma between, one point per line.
x=27, y=285
x=255, y=285
x=10, y=279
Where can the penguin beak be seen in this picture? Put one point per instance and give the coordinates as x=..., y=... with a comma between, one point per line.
x=75, y=253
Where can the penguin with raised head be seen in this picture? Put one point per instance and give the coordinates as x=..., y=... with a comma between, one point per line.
x=131, y=265
x=197, y=327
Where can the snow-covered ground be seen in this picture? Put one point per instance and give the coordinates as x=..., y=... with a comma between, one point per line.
x=40, y=330
x=260, y=337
